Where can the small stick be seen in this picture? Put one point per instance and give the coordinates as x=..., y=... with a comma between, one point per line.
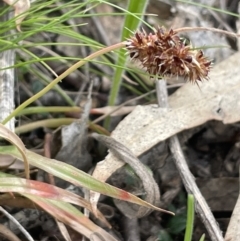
x=10, y=217
x=214, y=30
x=131, y=228
x=188, y=180
x=7, y=77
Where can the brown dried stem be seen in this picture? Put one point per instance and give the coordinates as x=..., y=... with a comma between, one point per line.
x=188, y=179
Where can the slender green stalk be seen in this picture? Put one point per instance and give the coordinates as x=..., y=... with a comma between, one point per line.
x=131, y=23
x=50, y=123
x=56, y=122
x=60, y=77
x=202, y=237
x=43, y=109
x=190, y=218
x=46, y=80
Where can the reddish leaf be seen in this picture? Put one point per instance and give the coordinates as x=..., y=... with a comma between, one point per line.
x=43, y=190
x=71, y=216
x=76, y=177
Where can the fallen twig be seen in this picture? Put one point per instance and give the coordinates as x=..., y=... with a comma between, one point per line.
x=188, y=180
x=26, y=234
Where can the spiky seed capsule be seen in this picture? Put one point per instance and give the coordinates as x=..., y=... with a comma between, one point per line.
x=164, y=53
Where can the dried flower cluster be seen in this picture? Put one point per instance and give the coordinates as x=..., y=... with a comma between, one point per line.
x=164, y=54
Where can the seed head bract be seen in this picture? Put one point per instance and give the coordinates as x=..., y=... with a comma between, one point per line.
x=165, y=54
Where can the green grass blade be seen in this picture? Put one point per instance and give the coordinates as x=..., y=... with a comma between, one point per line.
x=76, y=176
x=48, y=109
x=131, y=23
x=202, y=237
x=47, y=123
x=17, y=142
x=60, y=77
x=190, y=218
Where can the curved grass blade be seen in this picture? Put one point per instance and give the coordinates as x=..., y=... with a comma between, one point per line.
x=49, y=123
x=72, y=217
x=44, y=190
x=76, y=177
x=49, y=109
x=202, y=238
x=190, y=218
x=15, y=140
x=21, y=7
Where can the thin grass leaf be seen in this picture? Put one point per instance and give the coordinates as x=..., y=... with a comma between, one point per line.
x=8, y=183
x=99, y=129
x=72, y=217
x=39, y=23
x=60, y=77
x=49, y=123
x=21, y=7
x=41, y=189
x=15, y=140
x=54, y=123
x=190, y=218
x=49, y=109
x=75, y=176
x=131, y=23
x=202, y=238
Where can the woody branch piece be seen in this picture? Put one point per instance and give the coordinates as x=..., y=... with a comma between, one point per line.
x=188, y=180
x=7, y=59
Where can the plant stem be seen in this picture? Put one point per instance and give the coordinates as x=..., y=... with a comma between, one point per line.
x=190, y=218
x=49, y=123
x=60, y=77
x=202, y=237
x=48, y=109
x=188, y=180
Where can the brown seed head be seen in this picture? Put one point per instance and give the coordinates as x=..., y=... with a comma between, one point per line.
x=164, y=53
